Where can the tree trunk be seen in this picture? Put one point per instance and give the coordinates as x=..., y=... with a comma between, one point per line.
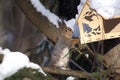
x=112, y=59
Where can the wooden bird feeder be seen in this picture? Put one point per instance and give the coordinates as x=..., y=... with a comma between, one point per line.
x=94, y=27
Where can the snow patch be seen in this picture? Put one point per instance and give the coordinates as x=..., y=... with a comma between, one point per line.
x=87, y=55
x=36, y=66
x=14, y=61
x=70, y=78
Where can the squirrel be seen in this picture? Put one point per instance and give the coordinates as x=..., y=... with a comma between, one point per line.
x=60, y=56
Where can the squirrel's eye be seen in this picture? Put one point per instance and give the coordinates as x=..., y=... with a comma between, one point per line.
x=66, y=30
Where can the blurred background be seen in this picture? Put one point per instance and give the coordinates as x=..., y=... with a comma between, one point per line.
x=15, y=29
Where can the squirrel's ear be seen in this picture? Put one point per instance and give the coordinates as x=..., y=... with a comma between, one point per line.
x=62, y=26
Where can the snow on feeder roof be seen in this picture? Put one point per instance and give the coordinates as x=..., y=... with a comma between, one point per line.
x=108, y=9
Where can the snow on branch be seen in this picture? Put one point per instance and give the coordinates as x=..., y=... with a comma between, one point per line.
x=45, y=12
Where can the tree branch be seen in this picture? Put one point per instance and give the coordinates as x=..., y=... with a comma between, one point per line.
x=79, y=74
x=40, y=21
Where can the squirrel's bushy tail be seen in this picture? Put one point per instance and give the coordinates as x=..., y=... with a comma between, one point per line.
x=45, y=48
x=45, y=44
